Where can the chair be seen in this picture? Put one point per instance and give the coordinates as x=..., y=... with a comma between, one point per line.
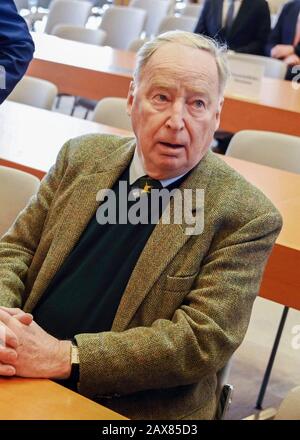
x=267, y=148
x=16, y=187
x=289, y=409
x=34, y=91
x=135, y=45
x=193, y=10
x=21, y=4
x=223, y=391
x=273, y=68
x=173, y=23
x=73, y=12
x=113, y=112
x=156, y=11
x=79, y=33
x=123, y=24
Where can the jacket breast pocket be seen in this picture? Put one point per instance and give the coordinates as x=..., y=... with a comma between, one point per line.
x=180, y=284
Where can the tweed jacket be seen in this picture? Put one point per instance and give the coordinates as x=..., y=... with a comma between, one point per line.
x=188, y=301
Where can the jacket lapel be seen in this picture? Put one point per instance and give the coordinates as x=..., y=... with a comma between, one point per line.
x=164, y=243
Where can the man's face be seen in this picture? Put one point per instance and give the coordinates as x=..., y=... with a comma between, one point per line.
x=175, y=109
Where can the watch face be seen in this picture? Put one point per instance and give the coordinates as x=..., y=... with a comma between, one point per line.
x=74, y=354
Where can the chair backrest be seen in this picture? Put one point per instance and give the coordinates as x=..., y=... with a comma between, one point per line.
x=192, y=10
x=172, y=23
x=267, y=148
x=273, y=68
x=79, y=33
x=44, y=3
x=122, y=24
x=156, y=11
x=73, y=12
x=34, y=91
x=112, y=111
x=135, y=45
x=16, y=187
x=289, y=408
x=21, y=4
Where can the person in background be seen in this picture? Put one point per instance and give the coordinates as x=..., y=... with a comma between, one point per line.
x=243, y=24
x=16, y=47
x=284, y=40
x=140, y=315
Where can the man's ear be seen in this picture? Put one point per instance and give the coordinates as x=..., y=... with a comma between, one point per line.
x=218, y=112
x=130, y=97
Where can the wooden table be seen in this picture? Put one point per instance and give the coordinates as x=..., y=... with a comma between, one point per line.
x=30, y=139
x=41, y=399
x=95, y=72
x=33, y=137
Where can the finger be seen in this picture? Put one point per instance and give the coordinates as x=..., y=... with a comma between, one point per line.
x=5, y=317
x=8, y=356
x=7, y=337
x=24, y=318
x=20, y=315
x=7, y=370
x=11, y=310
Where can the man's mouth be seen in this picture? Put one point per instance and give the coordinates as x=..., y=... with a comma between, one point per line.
x=167, y=144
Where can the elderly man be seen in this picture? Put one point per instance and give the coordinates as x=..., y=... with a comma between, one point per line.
x=154, y=309
x=243, y=24
x=16, y=47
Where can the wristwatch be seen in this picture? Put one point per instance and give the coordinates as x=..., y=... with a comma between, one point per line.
x=74, y=376
x=74, y=354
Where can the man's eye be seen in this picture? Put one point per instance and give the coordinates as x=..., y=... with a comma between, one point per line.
x=198, y=103
x=160, y=98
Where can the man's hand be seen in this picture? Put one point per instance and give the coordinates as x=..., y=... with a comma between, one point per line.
x=292, y=60
x=282, y=51
x=8, y=345
x=33, y=353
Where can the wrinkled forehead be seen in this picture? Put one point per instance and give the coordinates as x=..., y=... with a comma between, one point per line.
x=174, y=65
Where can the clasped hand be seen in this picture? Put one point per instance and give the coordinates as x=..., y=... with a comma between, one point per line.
x=26, y=350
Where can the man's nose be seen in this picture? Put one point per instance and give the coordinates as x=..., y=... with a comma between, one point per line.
x=175, y=120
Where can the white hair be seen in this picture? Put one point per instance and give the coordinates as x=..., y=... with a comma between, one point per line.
x=219, y=52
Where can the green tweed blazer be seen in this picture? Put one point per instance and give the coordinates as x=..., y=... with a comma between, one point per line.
x=187, y=304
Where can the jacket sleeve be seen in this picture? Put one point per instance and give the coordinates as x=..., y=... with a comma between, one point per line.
x=16, y=47
x=263, y=27
x=202, y=334
x=18, y=245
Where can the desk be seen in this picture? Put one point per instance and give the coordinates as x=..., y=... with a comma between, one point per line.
x=95, y=72
x=35, y=143
x=42, y=399
x=32, y=137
